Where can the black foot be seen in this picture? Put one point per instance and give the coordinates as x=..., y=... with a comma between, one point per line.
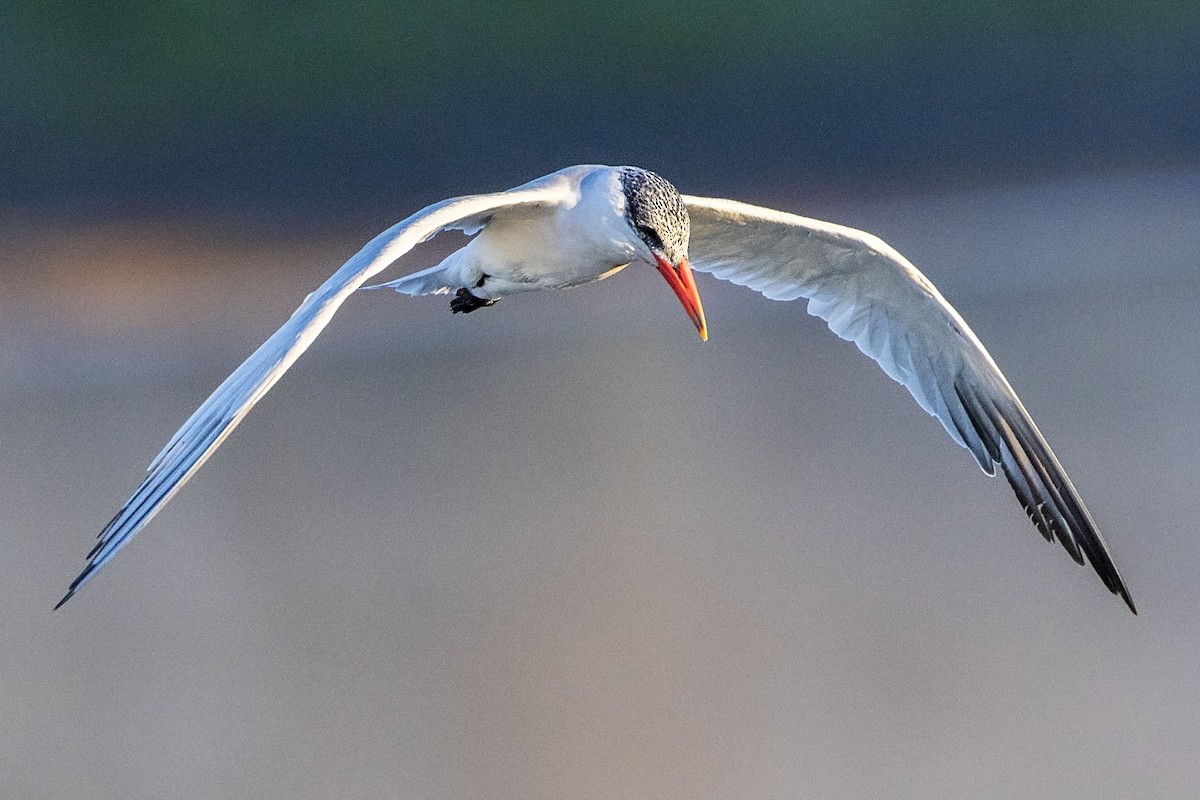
x=464, y=302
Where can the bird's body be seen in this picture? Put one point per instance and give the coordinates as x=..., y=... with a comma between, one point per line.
x=585, y=223
x=583, y=238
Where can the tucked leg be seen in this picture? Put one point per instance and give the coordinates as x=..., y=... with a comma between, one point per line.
x=464, y=302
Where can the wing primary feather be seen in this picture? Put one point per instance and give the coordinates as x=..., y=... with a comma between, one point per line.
x=1067, y=522
x=149, y=498
x=1019, y=478
x=1087, y=536
x=221, y=393
x=1042, y=486
x=1051, y=516
x=960, y=415
x=977, y=431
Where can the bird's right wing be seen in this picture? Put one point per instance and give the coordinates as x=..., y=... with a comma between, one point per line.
x=870, y=294
x=216, y=418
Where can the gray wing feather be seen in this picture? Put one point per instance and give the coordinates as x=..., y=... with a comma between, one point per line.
x=216, y=418
x=871, y=295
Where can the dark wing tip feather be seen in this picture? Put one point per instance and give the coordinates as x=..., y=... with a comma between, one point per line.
x=86, y=575
x=1037, y=478
x=194, y=446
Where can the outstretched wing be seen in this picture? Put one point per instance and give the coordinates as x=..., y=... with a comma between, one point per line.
x=871, y=295
x=216, y=418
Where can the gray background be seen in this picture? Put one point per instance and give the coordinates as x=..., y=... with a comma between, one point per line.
x=560, y=548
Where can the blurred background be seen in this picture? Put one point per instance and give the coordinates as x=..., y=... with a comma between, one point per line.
x=560, y=548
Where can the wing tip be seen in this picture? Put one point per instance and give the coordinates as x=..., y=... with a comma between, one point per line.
x=1112, y=579
x=1042, y=486
x=82, y=580
x=70, y=593
x=1123, y=593
x=1102, y=564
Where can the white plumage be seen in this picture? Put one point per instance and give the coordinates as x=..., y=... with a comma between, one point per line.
x=585, y=223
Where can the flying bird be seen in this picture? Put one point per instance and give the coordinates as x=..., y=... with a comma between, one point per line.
x=586, y=223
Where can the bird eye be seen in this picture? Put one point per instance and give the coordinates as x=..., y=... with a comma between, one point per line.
x=650, y=236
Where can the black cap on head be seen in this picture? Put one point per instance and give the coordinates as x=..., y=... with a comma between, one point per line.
x=656, y=212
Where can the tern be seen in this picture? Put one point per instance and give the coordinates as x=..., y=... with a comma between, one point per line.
x=586, y=223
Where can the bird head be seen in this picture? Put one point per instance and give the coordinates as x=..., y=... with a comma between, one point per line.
x=659, y=218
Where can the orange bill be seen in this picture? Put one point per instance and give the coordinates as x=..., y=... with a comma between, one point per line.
x=680, y=279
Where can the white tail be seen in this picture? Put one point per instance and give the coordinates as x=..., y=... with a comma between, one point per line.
x=434, y=280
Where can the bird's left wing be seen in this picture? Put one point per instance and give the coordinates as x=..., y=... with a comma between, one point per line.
x=216, y=418
x=872, y=295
